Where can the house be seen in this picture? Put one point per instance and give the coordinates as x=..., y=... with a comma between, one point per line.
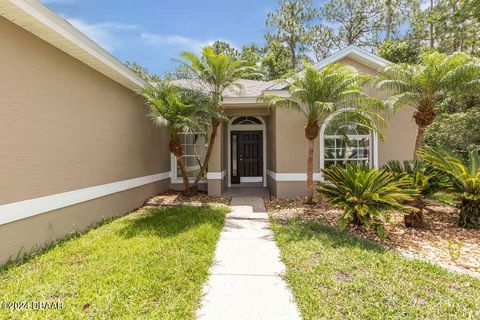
x=77, y=146
x=260, y=146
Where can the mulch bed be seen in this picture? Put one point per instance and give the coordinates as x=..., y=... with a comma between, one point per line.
x=175, y=197
x=441, y=242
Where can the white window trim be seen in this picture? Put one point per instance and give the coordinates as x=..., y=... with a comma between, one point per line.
x=374, y=143
x=247, y=127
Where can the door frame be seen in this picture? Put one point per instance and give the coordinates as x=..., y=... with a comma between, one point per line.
x=246, y=127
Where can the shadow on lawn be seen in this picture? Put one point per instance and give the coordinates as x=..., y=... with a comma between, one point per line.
x=169, y=222
x=297, y=230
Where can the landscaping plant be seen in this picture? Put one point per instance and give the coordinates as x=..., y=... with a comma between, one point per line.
x=215, y=72
x=319, y=93
x=424, y=178
x=180, y=111
x=366, y=195
x=422, y=86
x=465, y=181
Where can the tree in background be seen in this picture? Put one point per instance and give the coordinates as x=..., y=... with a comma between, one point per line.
x=357, y=22
x=396, y=13
x=459, y=131
x=446, y=25
x=320, y=93
x=399, y=52
x=143, y=72
x=225, y=48
x=276, y=63
x=291, y=25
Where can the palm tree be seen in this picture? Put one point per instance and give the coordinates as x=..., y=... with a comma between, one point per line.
x=320, y=93
x=214, y=72
x=366, y=195
x=424, y=178
x=179, y=111
x=465, y=181
x=422, y=86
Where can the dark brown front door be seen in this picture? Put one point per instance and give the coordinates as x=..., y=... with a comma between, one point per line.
x=247, y=155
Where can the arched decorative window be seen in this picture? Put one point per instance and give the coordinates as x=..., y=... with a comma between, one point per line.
x=246, y=120
x=347, y=143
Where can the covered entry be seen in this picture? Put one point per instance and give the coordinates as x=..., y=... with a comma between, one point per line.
x=246, y=152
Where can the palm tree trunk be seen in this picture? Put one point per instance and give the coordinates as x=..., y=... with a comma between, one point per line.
x=311, y=133
x=432, y=38
x=203, y=168
x=176, y=149
x=415, y=219
x=388, y=20
x=183, y=169
x=310, y=188
x=418, y=140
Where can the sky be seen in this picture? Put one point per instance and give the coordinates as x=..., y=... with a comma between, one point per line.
x=153, y=33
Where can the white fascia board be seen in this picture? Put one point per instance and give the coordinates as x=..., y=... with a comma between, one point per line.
x=355, y=52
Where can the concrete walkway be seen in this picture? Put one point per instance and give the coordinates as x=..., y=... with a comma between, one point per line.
x=245, y=281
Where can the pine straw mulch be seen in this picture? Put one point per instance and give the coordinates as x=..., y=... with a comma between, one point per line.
x=442, y=242
x=172, y=197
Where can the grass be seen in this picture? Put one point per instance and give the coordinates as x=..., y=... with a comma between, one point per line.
x=148, y=265
x=336, y=276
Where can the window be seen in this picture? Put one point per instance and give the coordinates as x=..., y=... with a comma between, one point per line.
x=194, y=148
x=347, y=143
x=246, y=120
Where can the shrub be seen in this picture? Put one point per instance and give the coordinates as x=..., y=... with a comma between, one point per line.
x=366, y=195
x=425, y=179
x=465, y=181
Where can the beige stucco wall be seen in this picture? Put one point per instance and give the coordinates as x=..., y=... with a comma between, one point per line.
x=291, y=144
x=63, y=127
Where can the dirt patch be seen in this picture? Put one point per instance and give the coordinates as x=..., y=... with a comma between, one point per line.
x=174, y=196
x=442, y=241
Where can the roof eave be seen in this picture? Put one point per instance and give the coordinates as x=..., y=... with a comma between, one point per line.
x=36, y=18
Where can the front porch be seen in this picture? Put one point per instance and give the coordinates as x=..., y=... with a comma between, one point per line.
x=240, y=157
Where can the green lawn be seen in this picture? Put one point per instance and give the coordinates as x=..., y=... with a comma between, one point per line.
x=336, y=276
x=148, y=265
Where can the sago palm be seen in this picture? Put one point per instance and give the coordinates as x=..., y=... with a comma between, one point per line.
x=465, y=181
x=422, y=86
x=366, y=195
x=179, y=111
x=320, y=93
x=214, y=72
x=425, y=179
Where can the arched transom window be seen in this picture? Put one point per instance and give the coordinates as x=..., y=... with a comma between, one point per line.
x=246, y=120
x=347, y=143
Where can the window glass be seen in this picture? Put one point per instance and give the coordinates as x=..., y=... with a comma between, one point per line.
x=346, y=143
x=194, y=148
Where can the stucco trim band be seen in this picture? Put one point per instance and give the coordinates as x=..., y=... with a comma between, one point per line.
x=288, y=177
x=216, y=175
x=27, y=208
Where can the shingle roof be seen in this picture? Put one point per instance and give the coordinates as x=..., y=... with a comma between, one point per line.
x=246, y=88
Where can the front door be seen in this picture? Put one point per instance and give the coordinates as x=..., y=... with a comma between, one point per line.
x=247, y=156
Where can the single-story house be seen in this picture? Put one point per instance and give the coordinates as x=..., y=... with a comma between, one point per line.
x=77, y=146
x=261, y=146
